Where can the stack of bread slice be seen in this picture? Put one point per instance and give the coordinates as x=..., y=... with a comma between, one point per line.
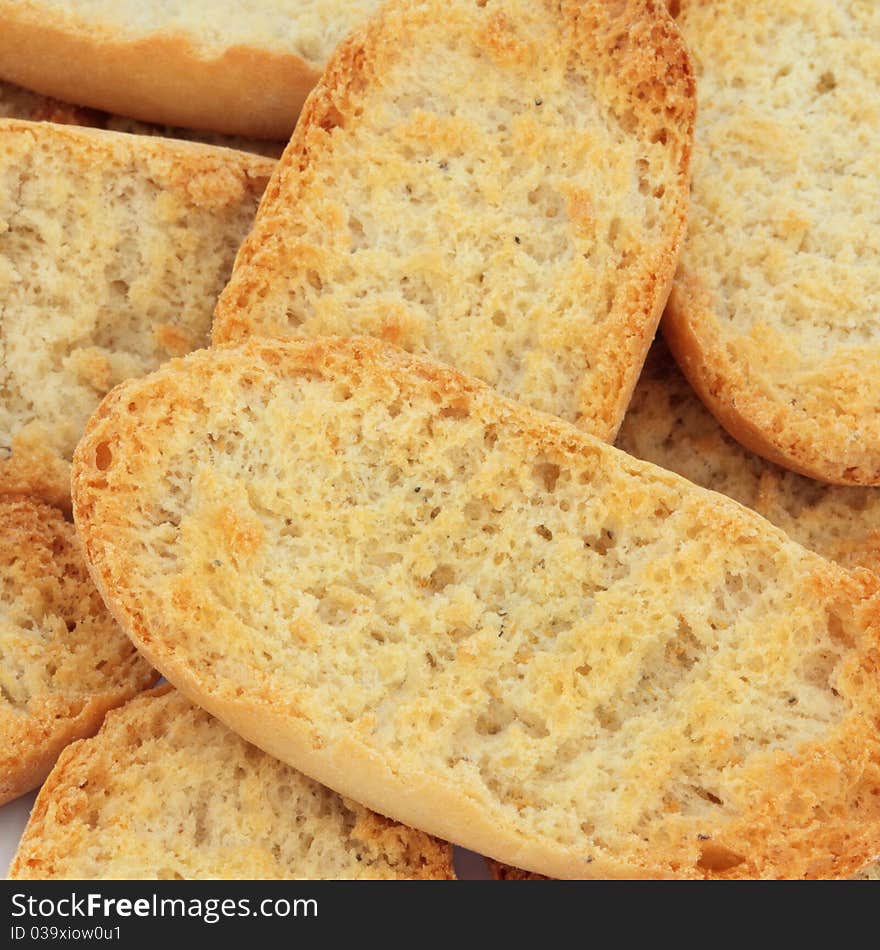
x=376, y=535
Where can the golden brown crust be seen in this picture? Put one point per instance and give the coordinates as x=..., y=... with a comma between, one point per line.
x=33, y=470
x=96, y=816
x=18, y=103
x=189, y=158
x=752, y=419
x=870, y=873
x=582, y=361
x=807, y=808
x=771, y=317
x=63, y=660
x=74, y=61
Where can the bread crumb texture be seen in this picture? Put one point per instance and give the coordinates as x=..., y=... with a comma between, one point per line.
x=164, y=791
x=63, y=660
x=112, y=252
x=308, y=28
x=501, y=184
x=775, y=315
x=18, y=103
x=667, y=424
x=479, y=620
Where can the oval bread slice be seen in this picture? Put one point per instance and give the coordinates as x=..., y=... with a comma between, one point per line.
x=667, y=424
x=775, y=313
x=240, y=68
x=501, y=185
x=166, y=791
x=63, y=660
x=113, y=249
x=479, y=620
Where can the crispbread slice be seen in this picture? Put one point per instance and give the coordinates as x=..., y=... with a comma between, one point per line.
x=166, y=791
x=63, y=660
x=236, y=68
x=113, y=249
x=502, y=185
x=18, y=103
x=483, y=622
x=775, y=313
x=667, y=424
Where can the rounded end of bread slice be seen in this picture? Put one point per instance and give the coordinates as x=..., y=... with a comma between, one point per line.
x=166, y=791
x=502, y=187
x=773, y=316
x=829, y=446
x=63, y=659
x=158, y=75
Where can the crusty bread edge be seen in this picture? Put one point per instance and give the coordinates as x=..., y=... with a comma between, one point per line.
x=256, y=166
x=736, y=408
x=32, y=469
x=663, y=281
x=431, y=803
x=53, y=734
x=162, y=78
x=420, y=802
x=33, y=768
x=348, y=64
x=55, y=777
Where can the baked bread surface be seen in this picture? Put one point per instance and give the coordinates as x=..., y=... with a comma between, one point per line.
x=775, y=312
x=166, y=791
x=113, y=249
x=667, y=424
x=19, y=103
x=240, y=68
x=63, y=660
x=501, y=185
x=481, y=621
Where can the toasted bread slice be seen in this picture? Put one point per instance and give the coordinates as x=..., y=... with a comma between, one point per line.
x=18, y=103
x=502, y=185
x=243, y=70
x=63, y=660
x=667, y=424
x=483, y=622
x=113, y=249
x=774, y=314
x=166, y=791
